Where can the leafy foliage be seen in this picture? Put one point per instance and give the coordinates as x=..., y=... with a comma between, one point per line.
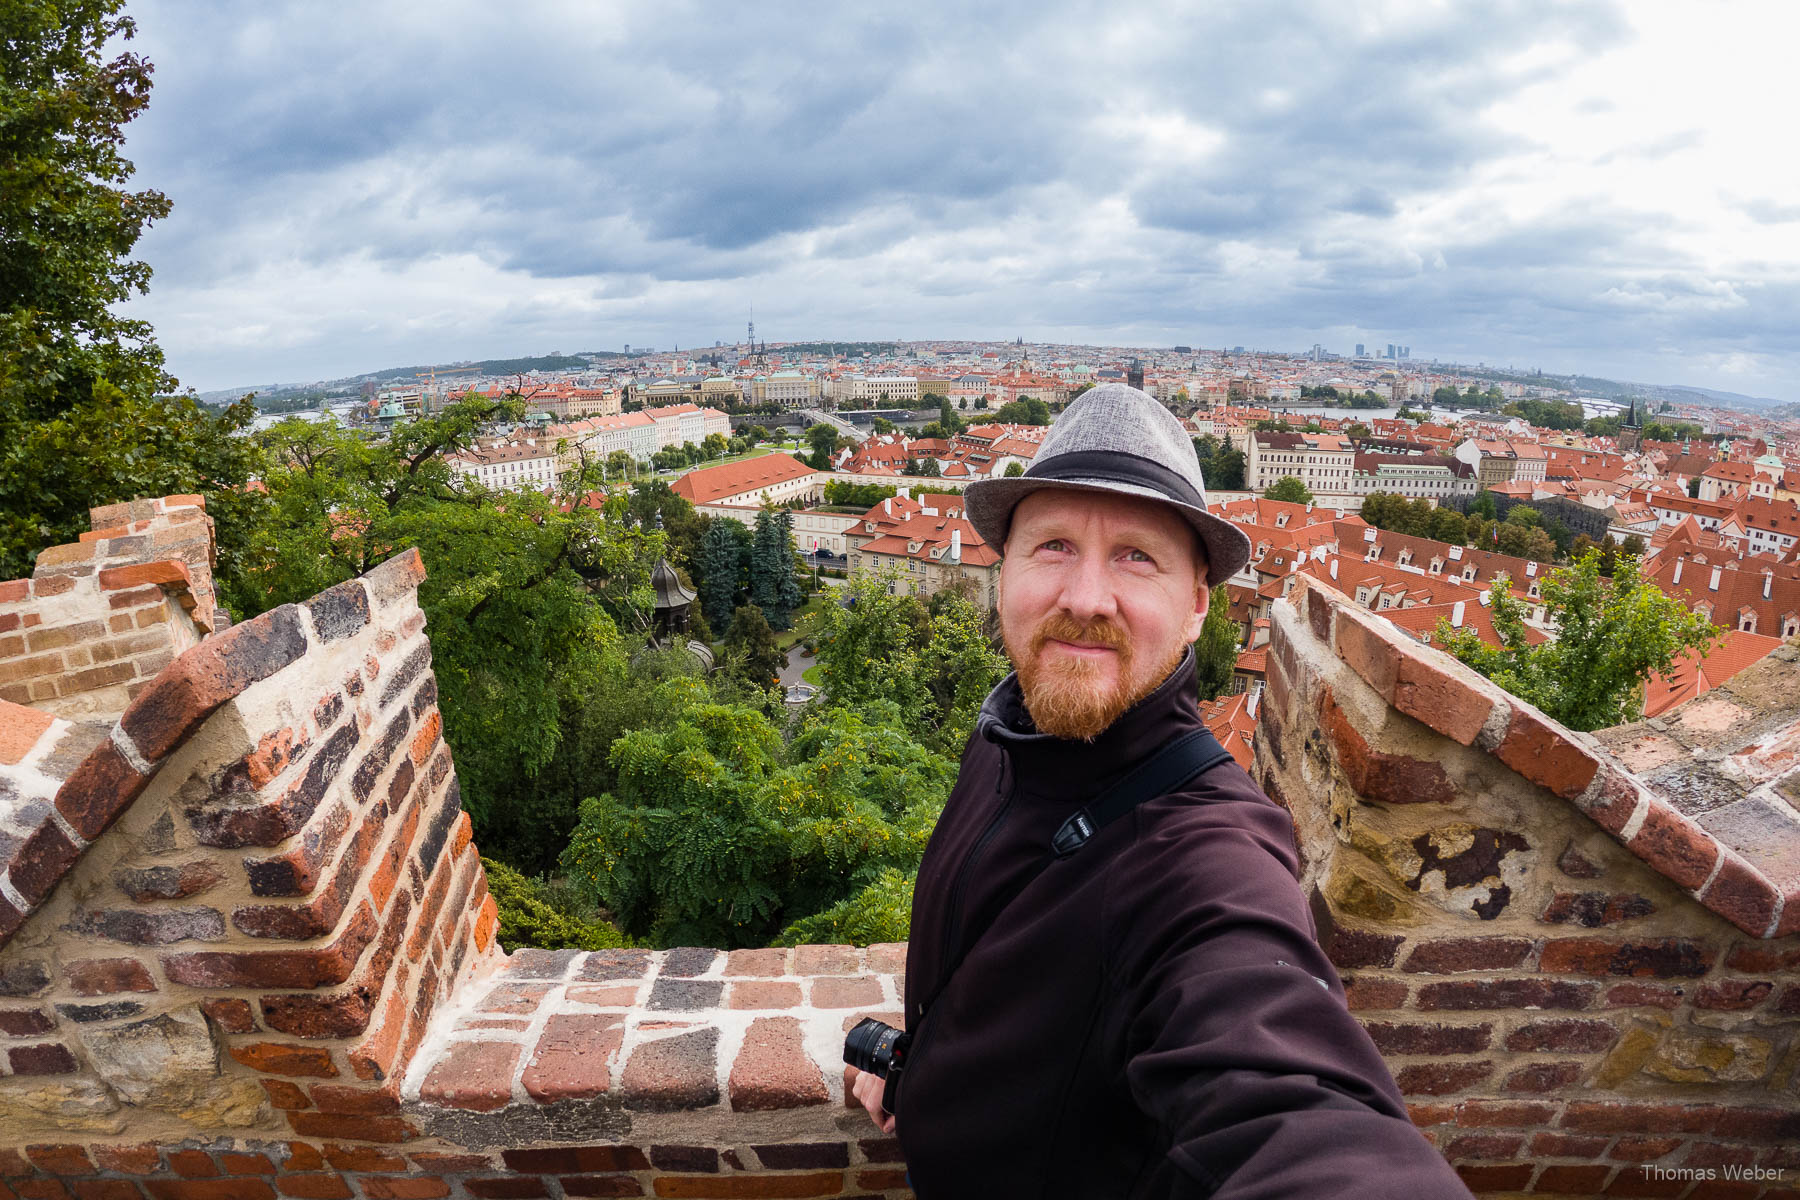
x=1291, y=489
x=527, y=918
x=1216, y=649
x=1612, y=635
x=717, y=834
x=85, y=418
x=929, y=668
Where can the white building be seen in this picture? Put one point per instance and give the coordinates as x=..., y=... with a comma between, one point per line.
x=510, y=466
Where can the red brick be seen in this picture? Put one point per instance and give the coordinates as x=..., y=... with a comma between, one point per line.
x=1567, y=1145
x=24, y=1022
x=1484, y=1145
x=672, y=1074
x=574, y=1056
x=1664, y=957
x=473, y=1075
x=170, y=573
x=105, y=976
x=1675, y=846
x=277, y=968
x=846, y=993
x=1509, y=1178
x=230, y=1015
x=335, y=1098
x=363, y=1158
x=1612, y=800
x=451, y=1164
x=1439, y=1079
x=369, y=1129
x=1419, y=1038
x=1610, y=1117
x=1732, y=995
x=1642, y=1149
x=1540, y=1078
x=1571, y=1180
x=1635, y=995
x=105, y=1189
x=47, y=1058
x=39, y=865
x=1546, y=755
x=1377, y=775
x=1446, y=955
x=601, y=1185
x=1592, y=910
x=1757, y=1124
x=816, y=1183
x=1744, y=896
x=826, y=959
x=193, y=1164
x=281, y=1058
x=574, y=1159
x=1573, y=1035
x=505, y=1188
x=1463, y=994
x=314, y=1186
x=763, y=994
x=285, y=1095
x=427, y=738
x=1430, y=693
x=1367, y=652
x=59, y=1159
x=208, y=675
x=773, y=1070
x=209, y=1189
x=141, y=1159
x=19, y=733
x=1480, y=1113
x=1364, y=992
x=405, y=1189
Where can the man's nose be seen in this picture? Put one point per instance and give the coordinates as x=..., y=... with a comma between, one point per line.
x=1087, y=590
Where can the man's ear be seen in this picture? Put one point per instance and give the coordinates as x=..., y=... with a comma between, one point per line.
x=1202, y=600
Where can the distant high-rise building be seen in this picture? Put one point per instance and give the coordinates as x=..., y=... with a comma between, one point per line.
x=1134, y=375
x=1361, y=350
x=1406, y=352
x=1390, y=352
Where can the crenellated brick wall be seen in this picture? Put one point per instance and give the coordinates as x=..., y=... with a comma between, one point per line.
x=1584, y=982
x=247, y=950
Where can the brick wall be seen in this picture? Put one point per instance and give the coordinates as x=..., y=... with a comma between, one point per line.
x=246, y=946
x=1580, y=987
x=99, y=618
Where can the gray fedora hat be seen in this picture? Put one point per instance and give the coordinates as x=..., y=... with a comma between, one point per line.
x=1117, y=439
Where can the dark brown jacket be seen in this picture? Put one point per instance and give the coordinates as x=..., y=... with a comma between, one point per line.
x=1151, y=1017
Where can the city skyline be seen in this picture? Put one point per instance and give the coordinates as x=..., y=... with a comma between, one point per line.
x=1576, y=188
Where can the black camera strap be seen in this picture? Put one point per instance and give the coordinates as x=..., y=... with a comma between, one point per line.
x=1178, y=761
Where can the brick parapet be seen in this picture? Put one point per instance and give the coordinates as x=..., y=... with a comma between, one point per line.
x=1549, y=954
x=100, y=617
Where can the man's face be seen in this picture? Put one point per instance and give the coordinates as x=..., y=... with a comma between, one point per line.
x=1099, y=596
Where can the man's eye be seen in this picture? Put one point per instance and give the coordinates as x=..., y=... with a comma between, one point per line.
x=1055, y=544
x=1141, y=556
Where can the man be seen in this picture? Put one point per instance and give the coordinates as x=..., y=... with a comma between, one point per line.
x=1151, y=1016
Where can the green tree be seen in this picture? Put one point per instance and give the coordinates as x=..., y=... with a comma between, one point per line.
x=1289, y=488
x=772, y=566
x=883, y=425
x=528, y=918
x=824, y=442
x=1216, y=649
x=1026, y=410
x=1483, y=505
x=1611, y=636
x=890, y=654
x=721, y=560
x=717, y=834
x=85, y=418
x=751, y=649
x=1013, y=470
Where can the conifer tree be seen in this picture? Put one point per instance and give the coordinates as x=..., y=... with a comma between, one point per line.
x=721, y=564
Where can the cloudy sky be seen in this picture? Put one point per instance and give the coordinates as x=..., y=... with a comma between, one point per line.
x=1599, y=187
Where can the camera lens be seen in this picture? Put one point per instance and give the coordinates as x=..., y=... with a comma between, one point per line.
x=870, y=1046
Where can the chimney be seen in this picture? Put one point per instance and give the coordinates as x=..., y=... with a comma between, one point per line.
x=1250, y=706
x=1456, y=615
x=1334, y=568
x=1714, y=585
x=1677, y=576
x=956, y=545
x=1768, y=582
x=887, y=507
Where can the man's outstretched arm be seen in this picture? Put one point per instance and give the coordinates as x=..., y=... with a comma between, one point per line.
x=1239, y=1041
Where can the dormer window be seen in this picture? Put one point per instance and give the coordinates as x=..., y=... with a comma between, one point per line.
x=1437, y=566
x=1790, y=626
x=1747, y=620
x=1469, y=572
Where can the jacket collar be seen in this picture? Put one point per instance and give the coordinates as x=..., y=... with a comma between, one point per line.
x=1059, y=768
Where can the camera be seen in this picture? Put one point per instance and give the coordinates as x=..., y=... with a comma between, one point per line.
x=880, y=1050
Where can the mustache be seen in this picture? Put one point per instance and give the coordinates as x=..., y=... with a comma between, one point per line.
x=1064, y=628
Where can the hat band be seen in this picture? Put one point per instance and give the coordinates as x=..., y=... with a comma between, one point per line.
x=1116, y=466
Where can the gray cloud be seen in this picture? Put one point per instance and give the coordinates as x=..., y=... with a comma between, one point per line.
x=360, y=186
